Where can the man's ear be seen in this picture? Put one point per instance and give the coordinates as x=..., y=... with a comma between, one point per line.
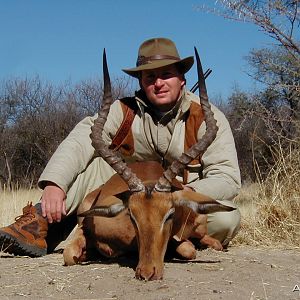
x=184, y=80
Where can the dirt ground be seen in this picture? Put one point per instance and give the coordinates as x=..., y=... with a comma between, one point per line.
x=240, y=273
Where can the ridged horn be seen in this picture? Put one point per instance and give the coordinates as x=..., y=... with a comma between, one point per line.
x=164, y=183
x=110, y=156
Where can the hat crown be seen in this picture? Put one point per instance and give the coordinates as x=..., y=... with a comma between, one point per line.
x=158, y=46
x=156, y=53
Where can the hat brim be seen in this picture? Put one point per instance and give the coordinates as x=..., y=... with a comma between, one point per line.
x=185, y=65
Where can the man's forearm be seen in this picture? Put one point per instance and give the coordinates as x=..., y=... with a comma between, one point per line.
x=218, y=188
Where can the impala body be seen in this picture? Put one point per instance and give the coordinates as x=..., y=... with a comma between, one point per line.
x=142, y=207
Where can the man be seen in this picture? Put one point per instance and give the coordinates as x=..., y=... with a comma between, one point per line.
x=158, y=133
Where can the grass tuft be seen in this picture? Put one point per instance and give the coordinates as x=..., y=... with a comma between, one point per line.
x=13, y=200
x=271, y=208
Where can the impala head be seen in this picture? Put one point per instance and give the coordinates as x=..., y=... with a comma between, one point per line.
x=152, y=214
x=151, y=208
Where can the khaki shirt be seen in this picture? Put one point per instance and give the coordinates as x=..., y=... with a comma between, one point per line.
x=218, y=176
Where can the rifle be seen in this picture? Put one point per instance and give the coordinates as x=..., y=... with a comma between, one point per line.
x=196, y=86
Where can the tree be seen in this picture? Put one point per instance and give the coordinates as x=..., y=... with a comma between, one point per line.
x=276, y=68
x=276, y=18
x=36, y=116
x=269, y=118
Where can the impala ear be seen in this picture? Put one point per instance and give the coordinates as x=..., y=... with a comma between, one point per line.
x=204, y=207
x=199, y=203
x=104, y=211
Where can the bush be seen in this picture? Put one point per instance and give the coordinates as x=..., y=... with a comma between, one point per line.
x=36, y=116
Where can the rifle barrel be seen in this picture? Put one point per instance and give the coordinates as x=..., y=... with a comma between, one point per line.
x=196, y=86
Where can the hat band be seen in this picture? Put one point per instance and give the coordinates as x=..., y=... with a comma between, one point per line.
x=143, y=60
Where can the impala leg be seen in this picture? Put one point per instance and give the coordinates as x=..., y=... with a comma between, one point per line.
x=185, y=249
x=75, y=251
x=182, y=228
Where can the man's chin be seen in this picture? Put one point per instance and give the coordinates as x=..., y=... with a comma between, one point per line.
x=164, y=107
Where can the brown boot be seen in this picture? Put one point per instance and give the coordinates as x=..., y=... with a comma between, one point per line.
x=27, y=235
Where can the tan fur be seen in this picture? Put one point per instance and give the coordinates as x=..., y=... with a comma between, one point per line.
x=149, y=235
x=76, y=248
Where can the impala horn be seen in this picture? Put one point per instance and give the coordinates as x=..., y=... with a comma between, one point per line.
x=165, y=182
x=110, y=156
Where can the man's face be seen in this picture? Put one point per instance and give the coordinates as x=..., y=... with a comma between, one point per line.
x=162, y=86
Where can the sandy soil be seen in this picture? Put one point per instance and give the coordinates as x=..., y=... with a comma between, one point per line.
x=240, y=273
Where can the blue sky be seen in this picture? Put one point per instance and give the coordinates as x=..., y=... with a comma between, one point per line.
x=62, y=40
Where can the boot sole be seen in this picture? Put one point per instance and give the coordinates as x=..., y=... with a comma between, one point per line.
x=10, y=244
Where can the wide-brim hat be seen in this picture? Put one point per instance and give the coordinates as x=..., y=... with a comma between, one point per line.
x=156, y=53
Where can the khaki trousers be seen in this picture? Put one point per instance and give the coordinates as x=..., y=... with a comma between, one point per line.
x=221, y=225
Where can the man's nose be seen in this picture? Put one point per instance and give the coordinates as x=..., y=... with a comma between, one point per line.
x=158, y=81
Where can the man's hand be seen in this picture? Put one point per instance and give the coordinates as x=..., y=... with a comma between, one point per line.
x=53, y=202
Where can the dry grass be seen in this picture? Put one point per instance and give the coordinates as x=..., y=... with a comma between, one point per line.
x=271, y=207
x=12, y=202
